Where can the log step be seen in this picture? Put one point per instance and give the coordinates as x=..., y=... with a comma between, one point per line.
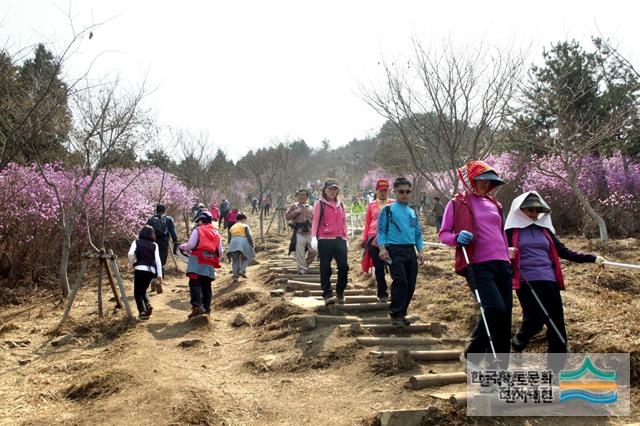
x=315, y=293
x=459, y=399
x=388, y=328
x=351, y=307
x=333, y=319
x=350, y=299
x=431, y=380
x=406, y=341
x=446, y=355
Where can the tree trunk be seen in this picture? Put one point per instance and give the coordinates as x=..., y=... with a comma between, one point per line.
x=64, y=262
x=262, y=225
x=604, y=235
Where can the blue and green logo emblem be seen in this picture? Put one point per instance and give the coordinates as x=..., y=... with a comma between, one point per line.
x=589, y=384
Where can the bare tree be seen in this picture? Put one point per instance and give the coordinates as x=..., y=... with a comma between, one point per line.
x=105, y=123
x=267, y=167
x=448, y=106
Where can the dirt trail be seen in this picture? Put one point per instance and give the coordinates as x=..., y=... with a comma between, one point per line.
x=170, y=370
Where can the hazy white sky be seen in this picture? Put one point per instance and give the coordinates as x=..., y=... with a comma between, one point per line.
x=248, y=72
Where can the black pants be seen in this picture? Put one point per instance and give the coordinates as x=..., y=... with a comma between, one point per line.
x=141, y=280
x=267, y=209
x=378, y=266
x=533, y=318
x=329, y=249
x=163, y=248
x=254, y=209
x=493, y=281
x=404, y=272
x=200, y=291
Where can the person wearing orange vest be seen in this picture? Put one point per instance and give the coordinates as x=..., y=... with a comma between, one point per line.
x=369, y=243
x=473, y=219
x=205, y=249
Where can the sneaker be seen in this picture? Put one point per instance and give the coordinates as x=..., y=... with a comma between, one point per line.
x=149, y=311
x=340, y=299
x=243, y=275
x=383, y=299
x=517, y=345
x=397, y=322
x=301, y=272
x=143, y=316
x=405, y=321
x=196, y=311
x=330, y=301
x=234, y=280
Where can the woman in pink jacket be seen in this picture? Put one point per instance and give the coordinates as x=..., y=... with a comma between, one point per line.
x=329, y=238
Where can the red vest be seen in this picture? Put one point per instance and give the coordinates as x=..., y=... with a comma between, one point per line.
x=465, y=220
x=208, y=241
x=553, y=254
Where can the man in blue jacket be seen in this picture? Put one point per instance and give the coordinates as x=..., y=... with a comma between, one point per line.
x=400, y=242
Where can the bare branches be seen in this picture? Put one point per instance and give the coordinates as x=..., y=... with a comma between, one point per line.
x=448, y=105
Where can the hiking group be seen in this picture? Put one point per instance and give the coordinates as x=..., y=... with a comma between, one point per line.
x=494, y=255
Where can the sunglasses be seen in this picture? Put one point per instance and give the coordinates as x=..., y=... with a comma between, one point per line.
x=533, y=209
x=403, y=191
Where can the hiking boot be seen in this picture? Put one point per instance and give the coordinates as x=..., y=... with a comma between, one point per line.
x=301, y=272
x=149, y=311
x=234, y=280
x=517, y=345
x=384, y=299
x=330, y=301
x=196, y=311
x=405, y=321
x=397, y=322
x=340, y=299
x=143, y=316
x=243, y=275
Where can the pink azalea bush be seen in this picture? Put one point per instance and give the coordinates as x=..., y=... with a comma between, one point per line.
x=30, y=218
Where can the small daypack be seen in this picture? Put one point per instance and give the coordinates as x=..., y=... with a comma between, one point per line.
x=159, y=225
x=389, y=216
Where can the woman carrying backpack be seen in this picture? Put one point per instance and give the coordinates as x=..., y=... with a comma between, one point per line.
x=205, y=249
x=240, y=251
x=473, y=220
x=144, y=255
x=329, y=239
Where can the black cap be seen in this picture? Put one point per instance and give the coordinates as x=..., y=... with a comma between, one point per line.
x=160, y=208
x=490, y=175
x=532, y=200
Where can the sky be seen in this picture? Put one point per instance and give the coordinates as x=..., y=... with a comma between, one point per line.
x=248, y=73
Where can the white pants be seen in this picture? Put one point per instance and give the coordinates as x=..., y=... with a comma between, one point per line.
x=303, y=261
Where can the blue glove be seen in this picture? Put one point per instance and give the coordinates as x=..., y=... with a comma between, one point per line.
x=464, y=238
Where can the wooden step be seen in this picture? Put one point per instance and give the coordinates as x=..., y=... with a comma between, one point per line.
x=407, y=341
x=387, y=328
x=334, y=319
x=432, y=380
x=356, y=307
x=315, y=293
x=350, y=299
x=446, y=355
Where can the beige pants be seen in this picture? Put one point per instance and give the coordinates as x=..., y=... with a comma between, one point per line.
x=303, y=241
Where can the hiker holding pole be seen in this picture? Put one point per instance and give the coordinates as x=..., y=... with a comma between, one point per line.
x=369, y=242
x=472, y=223
x=537, y=276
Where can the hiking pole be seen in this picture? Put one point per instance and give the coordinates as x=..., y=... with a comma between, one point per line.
x=472, y=282
x=621, y=265
x=546, y=313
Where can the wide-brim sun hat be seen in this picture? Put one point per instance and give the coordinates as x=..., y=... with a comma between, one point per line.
x=491, y=176
x=533, y=201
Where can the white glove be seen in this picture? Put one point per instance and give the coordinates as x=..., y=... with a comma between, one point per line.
x=600, y=260
x=314, y=244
